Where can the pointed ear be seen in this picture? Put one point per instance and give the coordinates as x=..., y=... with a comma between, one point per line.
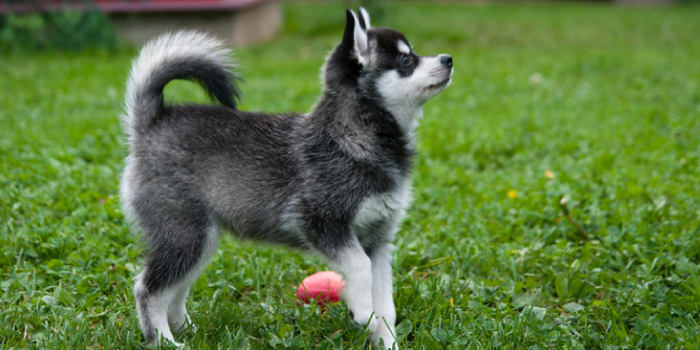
x=355, y=38
x=364, y=19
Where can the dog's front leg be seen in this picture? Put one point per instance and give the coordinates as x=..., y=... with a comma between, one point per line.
x=383, y=299
x=356, y=267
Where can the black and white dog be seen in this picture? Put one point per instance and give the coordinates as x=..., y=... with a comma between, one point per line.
x=334, y=181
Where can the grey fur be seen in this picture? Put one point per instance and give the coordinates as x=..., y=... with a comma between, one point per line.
x=334, y=181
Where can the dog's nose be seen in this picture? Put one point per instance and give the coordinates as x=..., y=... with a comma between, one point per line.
x=446, y=60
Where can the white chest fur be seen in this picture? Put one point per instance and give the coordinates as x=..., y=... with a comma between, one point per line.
x=389, y=207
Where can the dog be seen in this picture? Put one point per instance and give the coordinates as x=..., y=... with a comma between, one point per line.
x=334, y=181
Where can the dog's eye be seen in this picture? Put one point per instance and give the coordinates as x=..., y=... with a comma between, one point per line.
x=405, y=61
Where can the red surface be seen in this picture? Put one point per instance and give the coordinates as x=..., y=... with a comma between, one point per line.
x=323, y=287
x=125, y=6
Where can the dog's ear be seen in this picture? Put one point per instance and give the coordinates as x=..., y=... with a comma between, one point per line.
x=364, y=19
x=355, y=37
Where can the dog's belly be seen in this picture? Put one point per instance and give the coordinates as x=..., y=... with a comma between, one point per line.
x=269, y=229
x=259, y=215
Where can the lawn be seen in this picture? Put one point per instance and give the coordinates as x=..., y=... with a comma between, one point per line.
x=597, y=104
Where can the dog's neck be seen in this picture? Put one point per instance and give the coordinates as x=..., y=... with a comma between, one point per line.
x=407, y=116
x=359, y=124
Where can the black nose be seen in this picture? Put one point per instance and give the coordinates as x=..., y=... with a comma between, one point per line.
x=446, y=60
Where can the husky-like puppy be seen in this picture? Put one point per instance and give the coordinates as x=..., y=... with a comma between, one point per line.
x=334, y=182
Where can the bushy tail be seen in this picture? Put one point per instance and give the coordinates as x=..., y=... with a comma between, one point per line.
x=186, y=55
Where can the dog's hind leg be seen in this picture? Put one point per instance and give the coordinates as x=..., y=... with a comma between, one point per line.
x=177, y=312
x=177, y=258
x=152, y=310
x=178, y=319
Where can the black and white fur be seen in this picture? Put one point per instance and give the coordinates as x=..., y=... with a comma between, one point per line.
x=334, y=181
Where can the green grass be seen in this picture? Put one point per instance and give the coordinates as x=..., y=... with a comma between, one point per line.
x=594, y=102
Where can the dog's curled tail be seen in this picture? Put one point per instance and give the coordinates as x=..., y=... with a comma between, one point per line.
x=188, y=55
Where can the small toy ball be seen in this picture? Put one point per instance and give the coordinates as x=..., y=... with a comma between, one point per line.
x=323, y=287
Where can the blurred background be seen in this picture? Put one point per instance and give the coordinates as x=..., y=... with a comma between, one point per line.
x=76, y=24
x=597, y=102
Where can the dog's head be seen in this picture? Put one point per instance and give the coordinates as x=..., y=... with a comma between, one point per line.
x=380, y=64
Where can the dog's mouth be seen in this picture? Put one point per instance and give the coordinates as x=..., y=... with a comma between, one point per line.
x=439, y=86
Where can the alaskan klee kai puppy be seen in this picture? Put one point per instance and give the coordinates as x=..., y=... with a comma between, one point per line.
x=334, y=181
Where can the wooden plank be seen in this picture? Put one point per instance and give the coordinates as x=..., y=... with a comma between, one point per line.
x=173, y=6
x=132, y=6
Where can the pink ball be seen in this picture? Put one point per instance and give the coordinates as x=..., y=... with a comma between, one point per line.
x=323, y=287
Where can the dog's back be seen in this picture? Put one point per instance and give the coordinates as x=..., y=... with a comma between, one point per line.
x=238, y=165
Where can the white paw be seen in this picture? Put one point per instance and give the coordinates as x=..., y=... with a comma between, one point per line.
x=173, y=342
x=182, y=326
x=367, y=322
x=383, y=339
x=388, y=344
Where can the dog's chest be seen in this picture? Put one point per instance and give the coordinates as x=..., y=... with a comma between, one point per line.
x=387, y=208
